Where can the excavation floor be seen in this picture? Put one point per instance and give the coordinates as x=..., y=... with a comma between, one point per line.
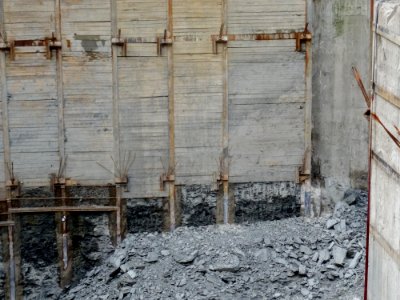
x=288, y=259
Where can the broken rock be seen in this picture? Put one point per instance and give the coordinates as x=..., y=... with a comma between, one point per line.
x=339, y=255
x=185, y=258
x=228, y=263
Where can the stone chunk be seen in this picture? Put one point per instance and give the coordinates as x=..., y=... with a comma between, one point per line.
x=315, y=256
x=324, y=256
x=185, y=258
x=302, y=270
x=331, y=222
x=230, y=263
x=132, y=274
x=354, y=262
x=306, y=250
x=267, y=242
x=263, y=255
x=339, y=255
x=151, y=257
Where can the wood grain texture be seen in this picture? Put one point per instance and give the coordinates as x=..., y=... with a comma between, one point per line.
x=266, y=16
x=250, y=97
x=142, y=18
x=143, y=96
x=34, y=19
x=198, y=91
x=266, y=110
x=87, y=76
x=33, y=122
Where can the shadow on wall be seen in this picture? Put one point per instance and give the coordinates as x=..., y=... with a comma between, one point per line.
x=266, y=201
x=145, y=215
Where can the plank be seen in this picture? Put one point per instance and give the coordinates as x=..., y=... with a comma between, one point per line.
x=36, y=15
x=143, y=102
x=142, y=18
x=266, y=110
x=266, y=16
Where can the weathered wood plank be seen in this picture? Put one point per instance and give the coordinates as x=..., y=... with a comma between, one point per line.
x=266, y=110
x=266, y=16
x=87, y=80
x=143, y=96
x=38, y=16
x=142, y=18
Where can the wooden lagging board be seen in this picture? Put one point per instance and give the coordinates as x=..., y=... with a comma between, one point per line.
x=115, y=98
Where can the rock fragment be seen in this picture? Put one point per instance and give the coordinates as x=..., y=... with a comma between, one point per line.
x=185, y=258
x=339, y=255
x=331, y=222
x=356, y=259
x=228, y=263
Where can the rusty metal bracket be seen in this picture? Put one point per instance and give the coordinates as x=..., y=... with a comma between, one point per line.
x=221, y=178
x=8, y=47
x=219, y=39
x=54, y=181
x=120, y=42
x=14, y=187
x=121, y=181
x=166, y=178
x=163, y=41
x=301, y=176
x=303, y=172
x=302, y=37
x=50, y=44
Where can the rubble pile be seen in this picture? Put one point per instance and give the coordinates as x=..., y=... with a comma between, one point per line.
x=287, y=259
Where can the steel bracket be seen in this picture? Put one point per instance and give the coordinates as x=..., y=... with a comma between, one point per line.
x=14, y=187
x=120, y=42
x=302, y=176
x=302, y=37
x=50, y=44
x=8, y=47
x=166, y=178
x=121, y=181
x=163, y=41
x=219, y=39
x=221, y=178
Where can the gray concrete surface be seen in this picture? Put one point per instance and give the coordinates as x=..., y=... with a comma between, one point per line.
x=340, y=135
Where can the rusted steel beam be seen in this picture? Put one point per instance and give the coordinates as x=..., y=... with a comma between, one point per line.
x=163, y=41
x=118, y=205
x=87, y=208
x=171, y=122
x=391, y=135
x=300, y=37
x=360, y=83
x=120, y=42
x=369, y=100
x=265, y=36
x=50, y=43
x=115, y=85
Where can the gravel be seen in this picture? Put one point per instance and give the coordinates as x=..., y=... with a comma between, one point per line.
x=293, y=258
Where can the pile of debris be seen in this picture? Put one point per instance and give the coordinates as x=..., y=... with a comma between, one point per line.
x=286, y=259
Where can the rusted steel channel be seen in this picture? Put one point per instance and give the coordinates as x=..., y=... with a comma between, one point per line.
x=171, y=120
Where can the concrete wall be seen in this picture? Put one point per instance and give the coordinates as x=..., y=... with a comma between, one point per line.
x=384, y=239
x=340, y=134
